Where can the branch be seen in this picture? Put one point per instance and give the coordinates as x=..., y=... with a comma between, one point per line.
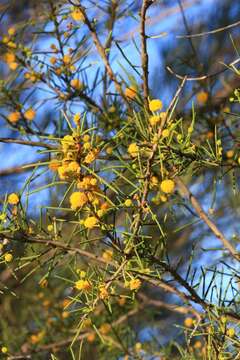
x=203, y=77
x=224, y=28
x=185, y=192
x=102, y=53
x=144, y=55
x=27, y=143
x=55, y=244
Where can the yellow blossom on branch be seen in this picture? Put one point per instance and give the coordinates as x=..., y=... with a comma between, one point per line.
x=30, y=114
x=77, y=15
x=130, y=92
x=133, y=150
x=155, y=105
x=84, y=285
x=78, y=199
x=13, y=199
x=8, y=257
x=90, y=222
x=134, y=284
x=14, y=117
x=154, y=120
x=167, y=186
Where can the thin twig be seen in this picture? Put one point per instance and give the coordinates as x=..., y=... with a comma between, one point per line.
x=203, y=77
x=224, y=28
x=27, y=143
x=185, y=192
x=102, y=52
x=144, y=54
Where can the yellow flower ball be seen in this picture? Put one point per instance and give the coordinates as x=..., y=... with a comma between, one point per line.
x=50, y=227
x=128, y=202
x=65, y=314
x=202, y=97
x=154, y=120
x=13, y=199
x=67, y=59
x=109, y=150
x=103, y=292
x=11, y=31
x=8, y=257
x=91, y=337
x=53, y=60
x=90, y=222
x=134, y=284
x=130, y=92
x=4, y=349
x=197, y=345
x=105, y=329
x=13, y=65
x=14, y=117
x=188, y=322
x=155, y=105
x=133, y=150
x=86, y=138
x=76, y=84
x=9, y=57
x=165, y=133
x=107, y=255
x=30, y=114
x=138, y=347
x=230, y=154
x=78, y=199
x=167, y=186
x=77, y=15
x=84, y=285
x=231, y=332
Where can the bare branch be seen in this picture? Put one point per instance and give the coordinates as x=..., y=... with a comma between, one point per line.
x=185, y=192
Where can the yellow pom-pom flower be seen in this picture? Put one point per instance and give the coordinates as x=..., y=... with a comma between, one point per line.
x=107, y=255
x=165, y=133
x=11, y=31
x=130, y=92
x=86, y=138
x=154, y=120
x=188, y=322
x=202, y=97
x=90, y=222
x=103, y=292
x=105, y=329
x=77, y=15
x=231, y=332
x=8, y=257
x=13, y=65
x=30, y=114
x=155, y=105
x=13, y=199
x=78, y=199
x=67, y=59
x=84, y=285
x=133, y=150
x=128, y=202
x=167, y=186
x=4, y=349
x=76, y=84
x=134, y=284
x=9, y=57
x=14, y=117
